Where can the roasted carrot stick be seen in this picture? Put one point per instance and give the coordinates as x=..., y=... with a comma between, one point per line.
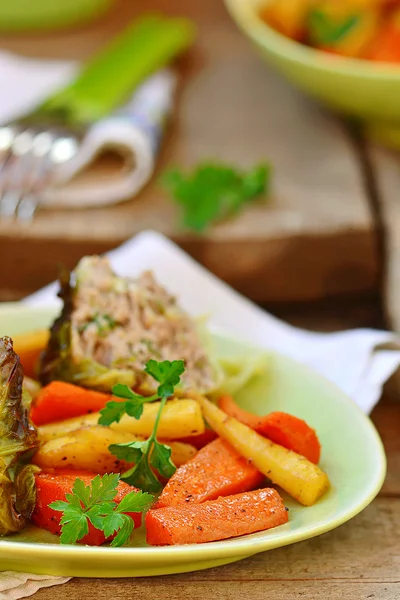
x=279, y=427
x=292, y=433
x=60, y=400
x=216, y=470
x=217, y=519
x=229, y=406
x=200, y=440
x=54, y=486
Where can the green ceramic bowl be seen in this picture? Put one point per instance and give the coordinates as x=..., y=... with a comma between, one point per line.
x=25, y=15
x=367, y=91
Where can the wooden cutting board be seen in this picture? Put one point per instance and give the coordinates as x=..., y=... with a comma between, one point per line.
x=313, y=238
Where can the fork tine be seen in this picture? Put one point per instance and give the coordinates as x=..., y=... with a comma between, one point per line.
x=27, y=158
x=9, y=203
x=43, y=144
x=27, y=208
x=15, y=173
x=7, y=135
x=12, y=185
x=54, y=149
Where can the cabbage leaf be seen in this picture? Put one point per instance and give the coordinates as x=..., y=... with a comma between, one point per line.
x=18, y=441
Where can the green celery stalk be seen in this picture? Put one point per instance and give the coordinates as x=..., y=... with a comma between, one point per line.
x=145, y=46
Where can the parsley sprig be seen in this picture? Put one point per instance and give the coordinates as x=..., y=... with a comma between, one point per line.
x=166, y=373
x=149, y=455
x=326, y=30
x=95, y=504
x=214, y=191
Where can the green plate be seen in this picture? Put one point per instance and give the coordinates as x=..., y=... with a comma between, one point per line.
x=353, y=457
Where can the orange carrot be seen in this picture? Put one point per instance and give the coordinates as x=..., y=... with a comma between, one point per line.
x=292, y=433
x=216, y=470
x=279, y=427
x=217, y=519
x=229, y=406
x=201, y=440
x=59, y=401
x=54, y=486
x=386, y=46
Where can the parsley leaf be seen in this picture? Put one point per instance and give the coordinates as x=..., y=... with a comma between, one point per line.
x=133, y=503
x=112, y=412
x=167, y=374
x=214, y=191
x=74, y=525
x=129, y=451
x=95, y=503
x=326, y=30
x=125, y=531
x=102, y=489
x=161, y=459
x=142, y=475
x=149, y=456
x=117, y=521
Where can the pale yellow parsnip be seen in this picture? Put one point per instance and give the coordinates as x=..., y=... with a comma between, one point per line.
x=87, y=448
x=179, y=418
x=62, y=428
x=302, y=479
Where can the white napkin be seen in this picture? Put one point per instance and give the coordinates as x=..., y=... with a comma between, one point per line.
x=135, y=130
x=21, y=585
x=350, y=359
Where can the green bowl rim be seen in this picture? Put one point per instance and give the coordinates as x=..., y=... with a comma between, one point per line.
x=246, y=16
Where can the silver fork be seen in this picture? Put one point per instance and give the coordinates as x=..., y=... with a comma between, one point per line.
x=31, y=149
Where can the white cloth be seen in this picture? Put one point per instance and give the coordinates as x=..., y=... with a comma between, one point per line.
x=135, y=130
x=21, y=585
x=350, y=359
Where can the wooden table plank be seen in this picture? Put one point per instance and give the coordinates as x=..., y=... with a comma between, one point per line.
x=315, y=238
